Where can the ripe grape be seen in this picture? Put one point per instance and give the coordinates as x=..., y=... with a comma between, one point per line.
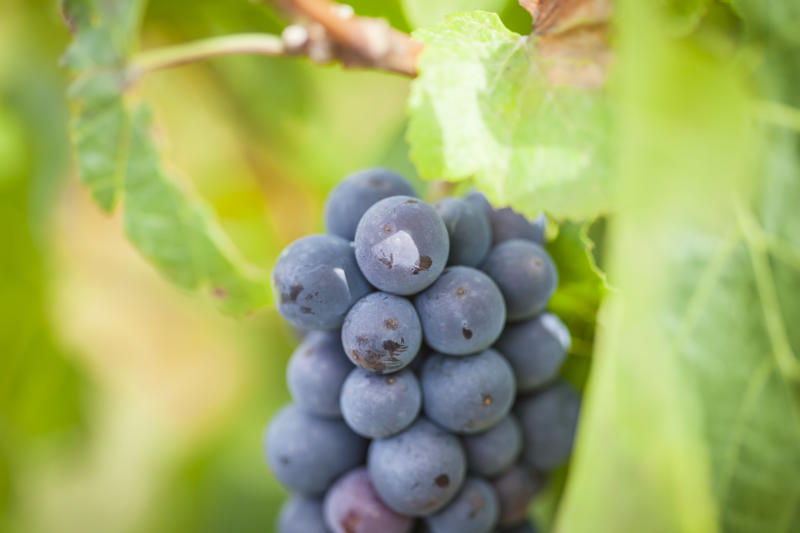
x=417, y=471
x=475, y=509
x=462, y=313
x=524, y=527
x=316, y=281
x=301, y=514
x=401, y=245
x=378, y=406
x=536, y=349
x=548, y=420
x=468, y=228
x=316, y=372
x=525, y=274
x=507, y=224
x=307, y=453
x=356, y=193
x=515, y=490
x=382, y=333
x=467, y=394
x=491, y=452
x=352, y=506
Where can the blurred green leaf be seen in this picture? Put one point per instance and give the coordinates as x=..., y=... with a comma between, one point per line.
x=484, y=107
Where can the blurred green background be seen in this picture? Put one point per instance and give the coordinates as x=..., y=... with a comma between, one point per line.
x=125, y=404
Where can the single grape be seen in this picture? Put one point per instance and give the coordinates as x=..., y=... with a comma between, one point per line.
x=382, y=333
x=401, y=245
x=548, y=420
x=524, y=527
x=515, y=490
x=417, y=471
x=316, y=372
x=350, y=199
x=493, y=451
x=316, y=281
x=462, y=313
x=507, y=224
x=352, y=506
x=378, y=406
x=468, y=228
x=525, y=274
x=475, y=509
x=536, y=350
x=301, y=514
x=479, y=201
x=467, y=394
x=307, y=453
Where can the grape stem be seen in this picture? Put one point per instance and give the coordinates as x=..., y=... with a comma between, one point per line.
x=325, y=32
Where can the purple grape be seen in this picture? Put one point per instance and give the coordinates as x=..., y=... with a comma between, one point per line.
x=378, y=406
x=524, y=527
x=307, y=453
x=467, y=394
x=493, y=451
x=468, y=228
x=352, y=506
x=316, y=372
x=356, y=193
x=507, y=224
x=401, y=245
x=515, y=490
x=548, y=420
x=316, y=280
x=462, y=313
x=525, y=274
x=417, y=471
x=301, y=514
x=382, y=333
x=475, y=509
x=536, y=350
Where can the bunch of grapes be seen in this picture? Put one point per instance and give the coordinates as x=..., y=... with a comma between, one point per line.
x=426, y=391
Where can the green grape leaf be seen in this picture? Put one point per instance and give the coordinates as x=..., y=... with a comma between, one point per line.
x=522, y=116
x=118, y=159
x=692, y=414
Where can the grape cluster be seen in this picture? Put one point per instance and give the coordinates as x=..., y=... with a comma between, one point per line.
x=426, y=391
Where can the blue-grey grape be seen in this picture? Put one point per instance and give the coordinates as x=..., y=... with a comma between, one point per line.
x=475, y=509
x=401, y=245
x=316, y=372
x=462, y=313
x=536, y=350
x=316, y=281
x=525, y=527
x=378, y=406
x=307, y=453
x=515, y=490
x=507, y=224
x=467, y=394
x=479, y=201
x=548, y=420
x=525, y=274
x=382, y=333
x=491, y=452
x=356, y=193
x=417, y=471
x=302, y=514
x=468, y=228
x=352, y=506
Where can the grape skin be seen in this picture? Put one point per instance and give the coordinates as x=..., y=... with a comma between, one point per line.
x=548, y=420
x=382, y=333
x=316, y=280
x=467, y=394
x=352, y=506
x=525, y=274
x=301, y=514
x=475, y=509
x=468, y=228
x=515, y=490
x=462, y=313
x=307, y=453
x=525, y=527
x=378, y=406
x=507, y=224
x=491, y=452
x=316, y=372
x=536, y=350
x=417, y=471
x=350, y=199
x=401, y=245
